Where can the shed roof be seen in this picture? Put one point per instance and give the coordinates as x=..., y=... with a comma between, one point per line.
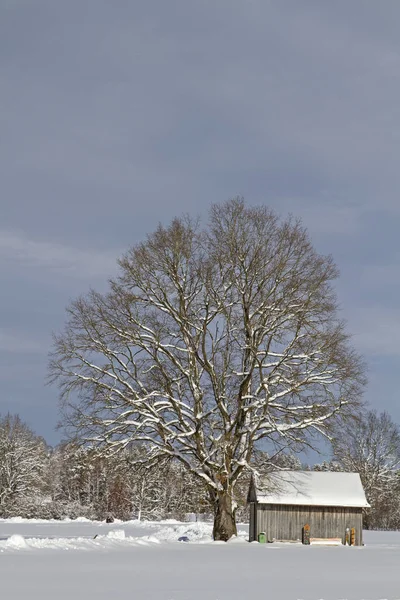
x=311, y=488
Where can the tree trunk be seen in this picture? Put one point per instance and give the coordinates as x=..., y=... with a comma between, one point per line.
x=224, y=516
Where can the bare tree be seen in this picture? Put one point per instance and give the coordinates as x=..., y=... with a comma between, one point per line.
x=23, y=460
x=208, y=342
x=370, y=446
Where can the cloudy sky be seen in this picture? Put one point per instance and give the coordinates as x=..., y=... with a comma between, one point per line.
x=117, y=115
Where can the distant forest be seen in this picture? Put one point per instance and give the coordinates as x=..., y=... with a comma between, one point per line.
x=72, y=480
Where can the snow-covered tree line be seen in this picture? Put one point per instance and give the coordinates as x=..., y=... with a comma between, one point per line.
x=72, y=480
x=23, y=458
x=76, y=481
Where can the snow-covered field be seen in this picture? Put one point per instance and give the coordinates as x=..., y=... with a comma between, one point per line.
x=64, y=560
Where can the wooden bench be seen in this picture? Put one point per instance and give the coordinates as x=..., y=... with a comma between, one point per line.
x=326, y=541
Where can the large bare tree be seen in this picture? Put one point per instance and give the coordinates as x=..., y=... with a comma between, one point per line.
x=209, y=341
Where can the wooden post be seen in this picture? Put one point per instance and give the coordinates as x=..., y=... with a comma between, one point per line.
x=347, y=537
x=353, y=536
x=306, y=535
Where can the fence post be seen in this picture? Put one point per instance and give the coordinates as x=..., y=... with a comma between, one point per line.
x=353, y=536
x=306, y=535
x=347, y=537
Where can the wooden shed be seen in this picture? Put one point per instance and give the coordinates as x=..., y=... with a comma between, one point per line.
x=284, y=502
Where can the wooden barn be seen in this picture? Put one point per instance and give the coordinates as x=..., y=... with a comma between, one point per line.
x=330, y=503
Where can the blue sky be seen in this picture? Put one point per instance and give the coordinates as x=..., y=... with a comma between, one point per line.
x=117, y=115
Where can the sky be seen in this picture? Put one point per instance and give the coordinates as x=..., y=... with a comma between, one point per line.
x=115, y=116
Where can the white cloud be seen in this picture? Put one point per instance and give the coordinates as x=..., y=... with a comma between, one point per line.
x=376, y=330
x=15, y=343
x=381, y=275
x=328, y=215
x=16, y=247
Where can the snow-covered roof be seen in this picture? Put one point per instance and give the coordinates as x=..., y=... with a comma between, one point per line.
x=312, y=488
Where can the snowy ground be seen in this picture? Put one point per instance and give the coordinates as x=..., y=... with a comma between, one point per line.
x=53, y=560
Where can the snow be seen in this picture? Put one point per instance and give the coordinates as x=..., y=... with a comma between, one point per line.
x=46, y=560
x=312, y=488
x=85, y=534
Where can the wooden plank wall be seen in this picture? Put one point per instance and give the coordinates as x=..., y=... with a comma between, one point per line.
x=283, y=522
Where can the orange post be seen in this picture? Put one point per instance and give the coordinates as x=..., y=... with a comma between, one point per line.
x=353, y=536
x=306, y=535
